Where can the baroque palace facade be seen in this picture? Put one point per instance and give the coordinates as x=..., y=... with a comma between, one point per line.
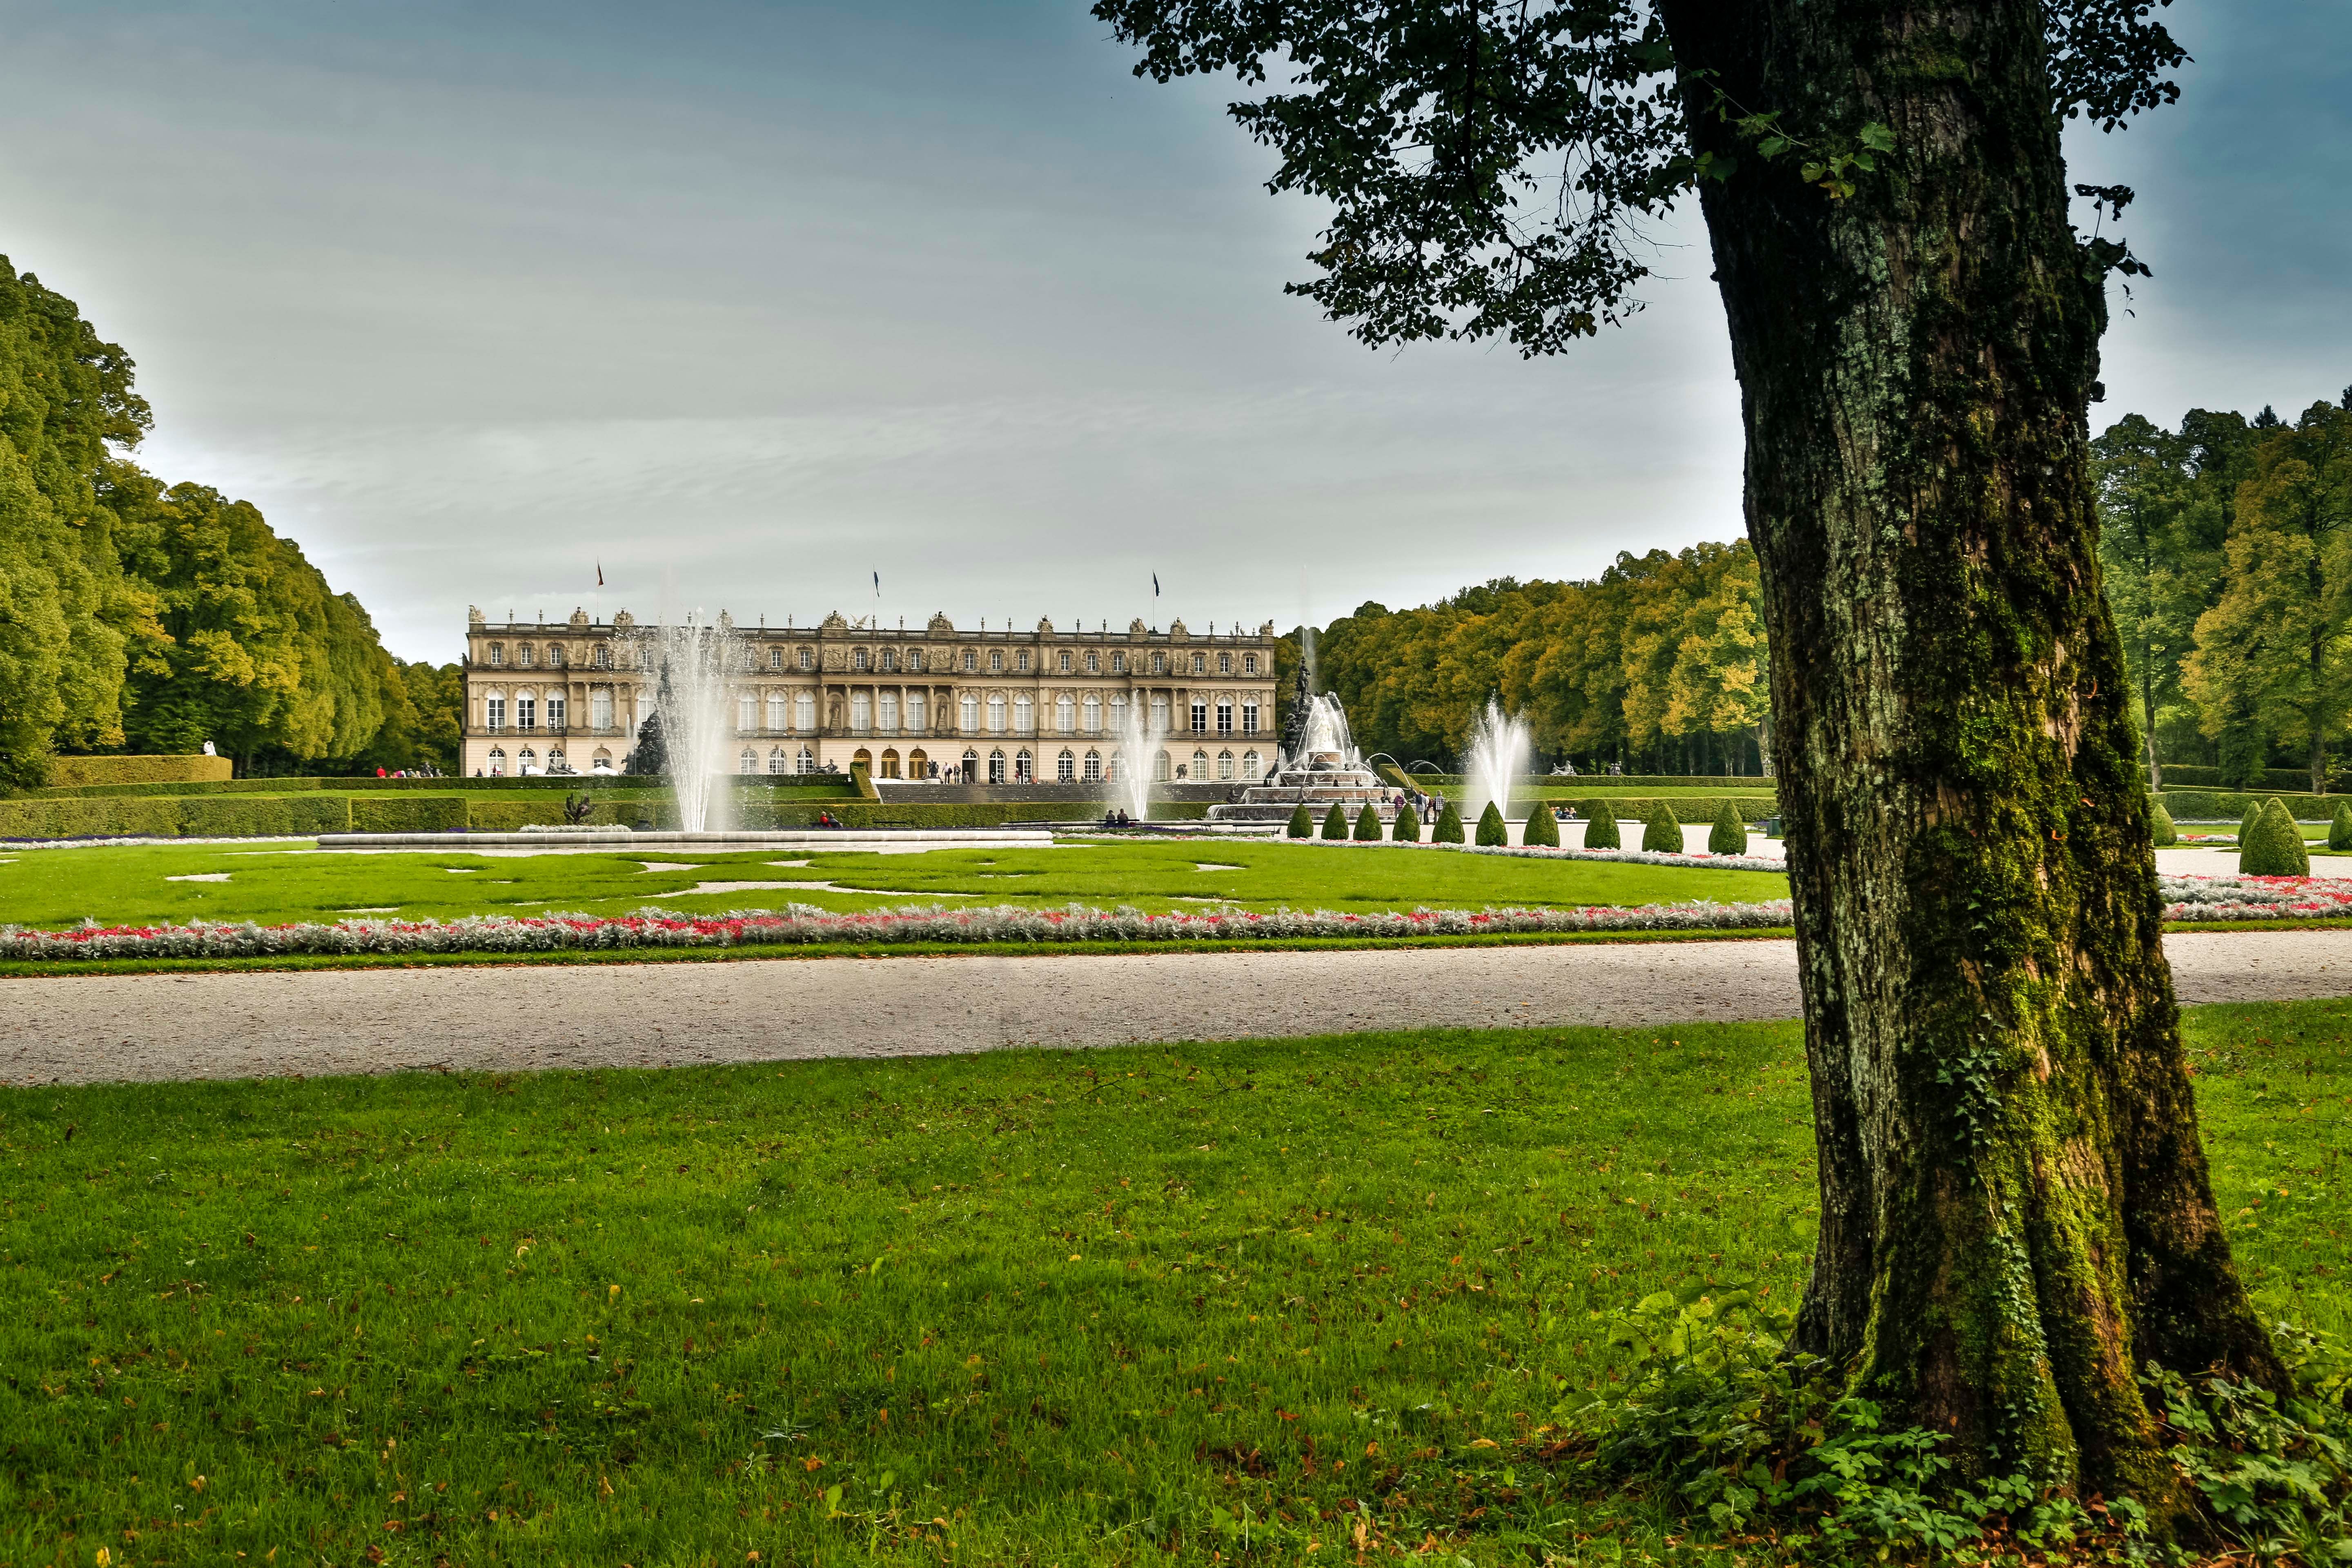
x=986, y=707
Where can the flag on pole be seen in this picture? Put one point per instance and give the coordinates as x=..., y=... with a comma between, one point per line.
x=1155, y=584
x=600, y=573
x=877, y=586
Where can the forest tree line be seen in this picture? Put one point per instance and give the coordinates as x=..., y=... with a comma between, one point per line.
x=141, y=616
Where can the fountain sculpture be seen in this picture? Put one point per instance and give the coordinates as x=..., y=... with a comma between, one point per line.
x=689, y=723
x=1318, y=764
x=1496, y=754
x=1139, y=741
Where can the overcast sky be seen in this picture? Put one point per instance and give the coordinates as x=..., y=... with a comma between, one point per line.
x=747, y=303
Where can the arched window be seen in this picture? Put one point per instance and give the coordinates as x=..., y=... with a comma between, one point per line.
x=747, y=710
x=1200, y=765
x=498, y=761
x=861, y=712
x=1024, y=715
x=918, y=712
x=996, y=766
x=780, y=712
x=1249, y=718
x=890, y=764
x=556, y=762
x=969, y=709
x=1159, y=714
x=600, y=707
x=1224, y=764
x=601, y=762
x=1250, y=765
x=886, y=710
x=1115, y=769
x=862, y=758
x=807, y=762
x=1094, y=714
x=526, y=761
x=556, y=704
x=970, y=765
x=1159, y=767
x=917, y=763
x=1118, y=713
x=777, y=762
x=996, y=713
x=1024, y=769
x=1224, y=715
x=1066, y=713
x=494, y=709
x=1066, y=768
x=749, y=762
x=526, y=711
x=1093, y=767
x=804, y=710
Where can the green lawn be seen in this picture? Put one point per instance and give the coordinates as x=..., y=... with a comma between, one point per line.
x=128, y=885
x=1026, y=1307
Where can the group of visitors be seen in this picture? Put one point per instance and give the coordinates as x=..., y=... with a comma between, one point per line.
x=416, y=774
x=1116, y=819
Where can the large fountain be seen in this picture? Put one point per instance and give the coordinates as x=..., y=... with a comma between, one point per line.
x=1497, y=755
x=1316, y=766
x=690, y=665
x=1139, y=741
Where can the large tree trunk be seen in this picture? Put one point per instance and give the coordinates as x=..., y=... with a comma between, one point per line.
x=2015, y=1212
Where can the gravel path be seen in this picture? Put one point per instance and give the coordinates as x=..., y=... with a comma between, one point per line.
x=89, y=1028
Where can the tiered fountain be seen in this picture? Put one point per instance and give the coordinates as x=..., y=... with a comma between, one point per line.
x=1316, y=766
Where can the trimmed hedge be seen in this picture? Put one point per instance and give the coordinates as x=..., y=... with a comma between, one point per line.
x=2220, y=806
x=2194, y=776
x=2340, y=832
x=168, y=817
x=1367, y=824
x=1491, y=831
x=2160, y=828
x=1335, y=822
x=2246, y=823
x=1449, y=826
x=1662, y=831
x=1727, y=783
x=1601, y=827
x=414, y=814
x=1543, y=828
x=150, y=769
x=1729, y=834
x=2273, y=847
x=1302, y=826
x=1407, y=828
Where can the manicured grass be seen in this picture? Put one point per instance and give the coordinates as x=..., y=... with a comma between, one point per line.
x=1029, y=1307
x=129, y=885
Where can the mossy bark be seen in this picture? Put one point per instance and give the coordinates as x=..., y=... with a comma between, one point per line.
x=2015, y=1208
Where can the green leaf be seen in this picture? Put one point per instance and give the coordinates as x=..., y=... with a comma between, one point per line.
x=1878, y=137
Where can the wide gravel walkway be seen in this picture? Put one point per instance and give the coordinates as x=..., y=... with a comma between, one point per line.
x=89, y=1028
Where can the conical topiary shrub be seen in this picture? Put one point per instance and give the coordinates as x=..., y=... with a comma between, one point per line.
x=1491, y=830
x=2340, y=832
x=1335, y=822
x=2246, y=823
x=2160, y=828
x=1367, y=824
x=1661, y=833
x=1601, y=833
x=2274, y=846
x=1301, y=824
x=1730, y=835
x=1408, y=824
x=1449, y=826
x=1543, y=827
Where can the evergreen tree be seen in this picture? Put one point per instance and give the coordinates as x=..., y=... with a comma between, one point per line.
x=1367, y=824
x=1335, y=822
x=1449, y=826
x=1407, y=828
x=2160, y=822
x=1662, y=833
x=1543, y=828
x=1301, y=824
x=2340, y=832
x=1728, y=835
x=1601, y=832
x=2246, y=823
x=1491, y=830
x=2275, y=847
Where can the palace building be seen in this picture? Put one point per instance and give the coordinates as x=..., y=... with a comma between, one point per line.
x=929, y=702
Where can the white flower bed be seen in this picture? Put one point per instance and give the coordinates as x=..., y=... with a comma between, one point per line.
x=2254, y=897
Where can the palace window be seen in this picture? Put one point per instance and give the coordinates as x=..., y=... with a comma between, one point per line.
x=1249, y=664
x=498, y=653
x=1159, y=664
x=804, y=710
x=1118, y=713
x=1066, y=712
x=1200, y=718
x=779, y=714
x=749, y=762
x=970, y=710
x=599, y=709
x=970, y=765
x=1224, y=716
x=524, y=651
x=603, y=657
x=747, y=712
x=527, y=762
x=996, y=661
x=498, y=761
x=1250, y=765
x=1093, y=767
x=1021, y=662
x=996, y=767
x=970, y=659
x=1159, y=767
x=805, y=763
x=495, y=703
x=888, y=710
x=1159, y=714
x=775, y=657
x=1119, y=664
x=1094, y=662
x=1200, y=765
x=1094, y=714
x=808, y=658
x=526, y=712
x=1224, y=664
x=1200, y=664
x=914, y=659
x=1065, y=665
x=555, y=709
x=857, y=658
x=1066, y=768
x=1023, y=713
x=1115, y=769
x=890, y=661
x=996, y=713
x=917, y=712
x=1024, y=769
x=556, y=655
x=751, y=660
x=1224, y=764
x=1249, y=718
x=861, y=712
x=890, y=764
x=776, y=764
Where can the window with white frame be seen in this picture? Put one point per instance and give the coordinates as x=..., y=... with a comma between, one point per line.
x=857, y=658
x=808, y=658
x=1224, y=764
x=968, y=713
x=1065, y=712
x=498, y=653
x=749, y=762
x=1023, y=715
x=1094, y=714
x=495, y=710
x=1115, y=767
x=1224, y=716
x=1023, y=767
x=1249, y=664
x=556, y=655
x=600, y=708
x=996, y=767
x=861, y=712
x=996, y=661
x=914, y=659
x=1119, y=664
x=1224, y=664
x=603, y=657
x=970, y=659
x=1065, y=665
x=805, y=763
x=890, y=662
x=996, y=713
x=498, y=761
x=526, y=711
x=779, y=711
x=1021, y=662
x=1093, y=767
x=1066, y=768
x=1118, y=713
x=1200, y=664
x=917, y=712
x=804, y=710
x=775, y=657
x=1250, y=764
x=1200, y=717
x=887, y=710
x=776, y=760
x=1159, y=767
x=747, y=712
x=1159, y=714
x=1249, y=718
x=1159, y=664
x=524, y=652
x=1200, y=765
x=556, y=704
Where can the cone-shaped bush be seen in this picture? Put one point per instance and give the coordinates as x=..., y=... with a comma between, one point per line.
x=1601, y=833
x=2246, y=823
x=1301, y=824
x=2340, y=832
x=1730, y=835
x=1335, y=822
x=1408, y=824
x=2160, y=828
x=2274, y=846
x=1491, y=830
x=1661, y=833
x=1543, y=827
x=1367, y=824
x=1449, y=826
